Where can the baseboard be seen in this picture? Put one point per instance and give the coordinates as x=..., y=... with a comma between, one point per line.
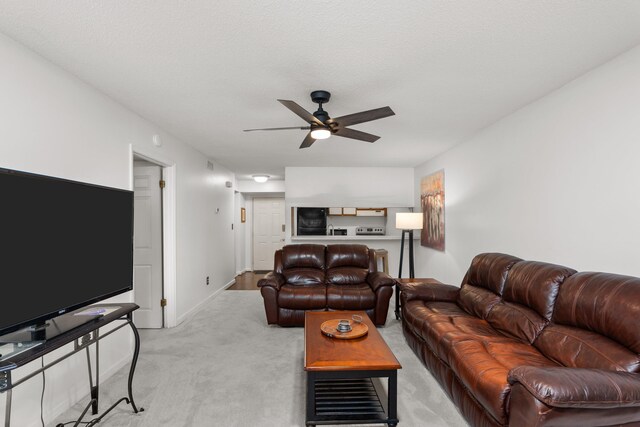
x=242, y=271
x=227, y=286
x=189, y=314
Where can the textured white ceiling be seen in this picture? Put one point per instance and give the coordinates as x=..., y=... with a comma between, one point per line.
x=204, y=70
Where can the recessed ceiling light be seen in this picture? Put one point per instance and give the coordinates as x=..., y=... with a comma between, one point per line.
x=260, y=178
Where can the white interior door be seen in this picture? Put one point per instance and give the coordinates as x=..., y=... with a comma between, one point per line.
x=147, y=255
x=268, y=231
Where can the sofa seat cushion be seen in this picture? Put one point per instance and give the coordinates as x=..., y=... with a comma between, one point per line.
x=299, y=297
x=346, y=275
x=304, y=276
x=350, y=297
x=483, y=364
x=441, y=324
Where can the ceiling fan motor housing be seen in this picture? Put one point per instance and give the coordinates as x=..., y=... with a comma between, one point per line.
x=320, y=96
x=321, y=115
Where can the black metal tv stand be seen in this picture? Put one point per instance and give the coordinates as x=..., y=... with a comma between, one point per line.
x=82, y=336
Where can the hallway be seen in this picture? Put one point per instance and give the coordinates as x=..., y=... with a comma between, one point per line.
x=247, y=281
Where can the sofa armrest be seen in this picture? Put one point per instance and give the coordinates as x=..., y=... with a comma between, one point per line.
x=378, y=279
x=272, y=279
x=579, y=388
x=429, y=290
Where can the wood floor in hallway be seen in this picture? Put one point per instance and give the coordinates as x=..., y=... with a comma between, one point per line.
x=247, y=281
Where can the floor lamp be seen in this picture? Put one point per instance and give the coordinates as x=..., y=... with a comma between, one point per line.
x=407, y=222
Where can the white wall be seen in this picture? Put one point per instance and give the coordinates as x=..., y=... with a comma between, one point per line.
x=556, y=181
x=205, y=213
x=351, y=187
x=347, y=187
x=363, y=187
x=250, y=186
x=54, y=124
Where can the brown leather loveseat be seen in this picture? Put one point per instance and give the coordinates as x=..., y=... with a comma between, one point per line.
x=318, y=277
x=525, y=343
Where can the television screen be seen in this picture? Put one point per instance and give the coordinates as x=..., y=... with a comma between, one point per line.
x=63, y=245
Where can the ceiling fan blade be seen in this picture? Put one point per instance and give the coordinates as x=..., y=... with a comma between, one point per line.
x=364, y=116
x=301, y=112
x=356, y=134
x=307, y=141
x=292, y=127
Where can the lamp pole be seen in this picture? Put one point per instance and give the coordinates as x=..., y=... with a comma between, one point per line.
x=412, y=274
x=407, y=222
x=411, y=267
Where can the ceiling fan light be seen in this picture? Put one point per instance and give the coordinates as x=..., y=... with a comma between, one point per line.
x=320, y=133
x=260, y=178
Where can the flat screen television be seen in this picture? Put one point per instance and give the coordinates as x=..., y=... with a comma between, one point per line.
x=63, y=245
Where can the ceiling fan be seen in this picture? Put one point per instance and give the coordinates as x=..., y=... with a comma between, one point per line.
x=321, y=126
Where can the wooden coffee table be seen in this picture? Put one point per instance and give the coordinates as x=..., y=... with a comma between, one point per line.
x=342, y=375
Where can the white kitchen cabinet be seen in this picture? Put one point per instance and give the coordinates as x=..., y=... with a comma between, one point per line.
x=342, y=211
x=371, y=212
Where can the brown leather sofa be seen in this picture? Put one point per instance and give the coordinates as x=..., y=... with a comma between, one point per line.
x=526, y=343
x=318, y=277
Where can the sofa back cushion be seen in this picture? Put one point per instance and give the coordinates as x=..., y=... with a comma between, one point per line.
x=347, y=264
x=301, y=264
x=347, y=256
x=528, y=298
x=578, y=348
x=483, y=284
x=303, y=256
x=595, y=323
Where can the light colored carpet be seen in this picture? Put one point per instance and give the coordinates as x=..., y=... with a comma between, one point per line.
x=227, y=367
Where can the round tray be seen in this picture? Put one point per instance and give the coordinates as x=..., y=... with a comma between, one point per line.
x=357, y=330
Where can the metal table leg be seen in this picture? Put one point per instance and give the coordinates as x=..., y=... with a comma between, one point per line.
x=136, y=353
x=311, y=397
x=94, y=388
x=392, y=408
x=128, y=400
x=7, y=413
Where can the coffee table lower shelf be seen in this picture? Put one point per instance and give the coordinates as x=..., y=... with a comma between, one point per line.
x=351, y=397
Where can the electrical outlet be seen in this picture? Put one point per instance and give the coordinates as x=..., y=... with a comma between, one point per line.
x=207, y=280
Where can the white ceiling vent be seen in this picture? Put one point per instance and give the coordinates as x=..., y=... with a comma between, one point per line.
x=209, y=165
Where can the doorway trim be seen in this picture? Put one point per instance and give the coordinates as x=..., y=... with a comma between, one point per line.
x=169, y=252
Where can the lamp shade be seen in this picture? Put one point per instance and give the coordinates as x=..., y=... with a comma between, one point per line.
x=409, y=220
